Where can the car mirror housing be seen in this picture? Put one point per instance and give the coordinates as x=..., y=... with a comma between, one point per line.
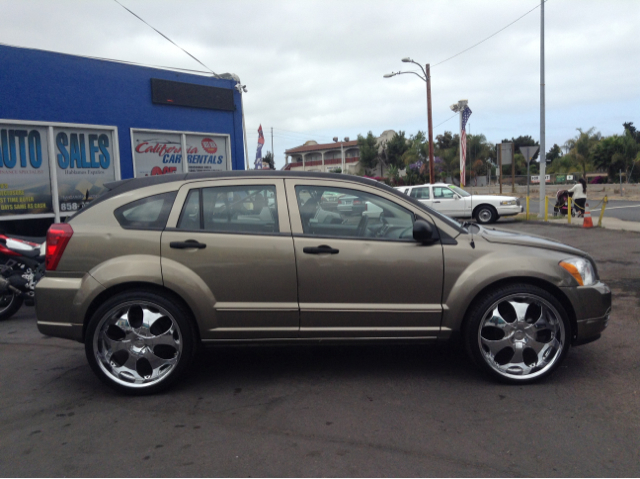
x=424, y=232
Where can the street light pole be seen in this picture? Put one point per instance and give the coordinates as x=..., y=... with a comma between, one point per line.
x=432, y=174
x=427, y=79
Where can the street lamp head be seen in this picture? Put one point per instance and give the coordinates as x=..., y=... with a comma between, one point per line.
x=389, y=75
x=407, y=60
x=454, y=107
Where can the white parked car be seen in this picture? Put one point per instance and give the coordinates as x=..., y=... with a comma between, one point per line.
x=458, y=203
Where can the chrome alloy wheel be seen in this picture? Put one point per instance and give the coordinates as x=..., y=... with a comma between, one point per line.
x=485, y=215
x=521, y=336
x=137, y=344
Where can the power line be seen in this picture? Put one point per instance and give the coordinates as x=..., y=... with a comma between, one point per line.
x=166, y=37
x=446, y=121
x=490, y=36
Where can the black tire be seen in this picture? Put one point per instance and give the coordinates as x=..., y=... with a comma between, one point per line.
x=499, y=329
x=9, y=305
x=139, y=342
x=486, y=214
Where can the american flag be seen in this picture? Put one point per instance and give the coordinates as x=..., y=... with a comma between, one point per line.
x=466, y=113
x=258, y=162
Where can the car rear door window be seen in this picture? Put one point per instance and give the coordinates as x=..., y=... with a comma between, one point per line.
x=357, y=214
x=148, y=213
x=420, y=193
x=231, y=209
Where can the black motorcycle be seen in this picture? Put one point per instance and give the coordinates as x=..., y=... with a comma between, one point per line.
x=22, y=267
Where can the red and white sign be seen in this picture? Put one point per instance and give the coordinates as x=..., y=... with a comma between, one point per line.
x=209, y=145
x=160, y=152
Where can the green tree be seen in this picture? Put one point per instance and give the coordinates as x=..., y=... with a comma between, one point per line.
x=618, y=152
x=553, y=153
x=581, y=148
x=368, y=152
x=395, y=148
x=268, y=158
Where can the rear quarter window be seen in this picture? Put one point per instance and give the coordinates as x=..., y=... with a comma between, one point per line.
x=149, y=213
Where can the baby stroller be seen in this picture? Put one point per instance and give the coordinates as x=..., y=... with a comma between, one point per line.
x=562, y=204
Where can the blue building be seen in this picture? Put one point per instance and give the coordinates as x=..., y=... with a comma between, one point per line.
x=69, y=124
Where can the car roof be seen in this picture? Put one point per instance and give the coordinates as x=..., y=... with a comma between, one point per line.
x=118, y=187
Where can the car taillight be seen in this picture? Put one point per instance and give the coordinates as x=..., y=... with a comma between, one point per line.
x=356, y=202
x=58, y=236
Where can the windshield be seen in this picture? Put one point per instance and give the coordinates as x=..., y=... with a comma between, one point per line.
x=460, y=191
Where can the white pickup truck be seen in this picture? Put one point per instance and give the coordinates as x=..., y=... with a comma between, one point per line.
x=457, y=203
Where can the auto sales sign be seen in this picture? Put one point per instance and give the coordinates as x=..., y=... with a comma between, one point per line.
x=82, y=158
x=160, y=153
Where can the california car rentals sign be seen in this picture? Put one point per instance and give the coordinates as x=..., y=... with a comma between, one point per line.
x=159, y=153
x=25, y=185
x=84, y=163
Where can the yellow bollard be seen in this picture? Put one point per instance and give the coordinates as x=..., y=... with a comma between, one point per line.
x=604, y=204
x=546, y=208
x=527, y=216
x=569, y=209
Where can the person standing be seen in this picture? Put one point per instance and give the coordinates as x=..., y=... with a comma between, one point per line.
x=579, y=196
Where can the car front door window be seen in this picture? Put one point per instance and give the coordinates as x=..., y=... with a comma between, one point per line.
x=357, y=214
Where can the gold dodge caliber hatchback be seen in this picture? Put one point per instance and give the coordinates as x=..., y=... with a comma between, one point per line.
x=158, y=266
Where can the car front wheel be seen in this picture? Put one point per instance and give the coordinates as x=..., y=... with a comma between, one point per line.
x=486, y=214
x=518, y=333
x=139, y=342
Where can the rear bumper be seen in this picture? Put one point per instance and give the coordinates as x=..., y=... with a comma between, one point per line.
x=592, y=305
x=61, y=305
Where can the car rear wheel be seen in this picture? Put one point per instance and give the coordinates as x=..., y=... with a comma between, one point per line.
x=486, y=214
x=518, y=333
x=139, y=342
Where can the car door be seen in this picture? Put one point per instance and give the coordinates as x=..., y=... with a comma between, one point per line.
x=447, y=202
x=362, y=275
x=228, y=247
x=422, y=194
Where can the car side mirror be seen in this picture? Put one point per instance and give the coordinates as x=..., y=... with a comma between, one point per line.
x=424, y=232
x=456, y=197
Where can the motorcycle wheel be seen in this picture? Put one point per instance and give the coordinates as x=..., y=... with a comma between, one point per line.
x=9, y=305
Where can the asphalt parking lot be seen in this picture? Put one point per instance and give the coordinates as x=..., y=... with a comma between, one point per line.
x=336, y=411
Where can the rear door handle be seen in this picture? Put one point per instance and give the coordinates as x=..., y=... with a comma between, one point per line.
x=187, y=244
x=436, y=202
x=322, y=249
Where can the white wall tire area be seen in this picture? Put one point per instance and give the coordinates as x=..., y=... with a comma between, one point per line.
x=485, y=214
x=139, y=342
x=518, y=333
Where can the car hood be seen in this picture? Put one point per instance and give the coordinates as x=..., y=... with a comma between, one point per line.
x=509, y=237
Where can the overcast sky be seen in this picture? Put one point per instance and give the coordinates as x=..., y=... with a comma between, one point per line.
x=314, y=70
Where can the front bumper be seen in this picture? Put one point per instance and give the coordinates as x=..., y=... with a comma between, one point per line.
x=510, y=210
x=592, y=305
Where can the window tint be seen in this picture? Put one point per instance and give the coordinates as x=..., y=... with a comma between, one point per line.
x=355, y=214
x=442, y=192
x=420, y=193
x=147, y=213
x=190, y=217
x=241, y=209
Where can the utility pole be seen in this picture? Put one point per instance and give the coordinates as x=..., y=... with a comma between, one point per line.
x=513, y=169
x=432, y=175
x=273, y=153
x=543, y=160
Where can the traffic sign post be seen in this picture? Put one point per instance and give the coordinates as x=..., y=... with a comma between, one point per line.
x=528, y=152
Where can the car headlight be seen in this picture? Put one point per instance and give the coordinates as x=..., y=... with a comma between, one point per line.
x=581, y=269
x=508, y=203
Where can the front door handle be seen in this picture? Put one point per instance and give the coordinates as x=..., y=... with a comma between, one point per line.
x=187, y=244
x=436, y=202
x=322, y=249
